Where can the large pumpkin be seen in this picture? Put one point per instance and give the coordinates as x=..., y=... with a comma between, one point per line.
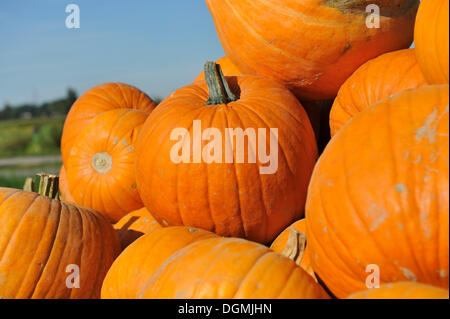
x=134, y=225
x=100, y=170
x=292, y=243
x=232, y=190
x=102, y=98
x=432, y=40
x=402, y=290
x=228, y=69
x=379, y=195
x=311, y=46
x=375, y=80
x=230, y=268
x=140, y=260
x=51, y=249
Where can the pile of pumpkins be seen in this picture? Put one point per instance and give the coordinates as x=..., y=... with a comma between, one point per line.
x=135, y=223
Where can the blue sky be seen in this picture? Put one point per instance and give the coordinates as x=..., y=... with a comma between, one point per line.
x=157, y=46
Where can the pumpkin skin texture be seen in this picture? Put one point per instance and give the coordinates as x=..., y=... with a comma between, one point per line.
x=230, y=199
x=141, y=259
x=102, y=98
x=281, y=242
x=313, y=46
x=228, y=69
x=375, y=80
x=431, y=40
x=379, y=195
x=134, y=225
x=402, y=290
x=227, y=268
x=64, y=187
x=40, y=237
x=100, y=171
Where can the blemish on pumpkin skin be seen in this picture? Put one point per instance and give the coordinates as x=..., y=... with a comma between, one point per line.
x=442, y=273
x=116, y=140
x=378, y=214
x=400, y=226
x=408, y=274
x=400, y=188
x=347, y=47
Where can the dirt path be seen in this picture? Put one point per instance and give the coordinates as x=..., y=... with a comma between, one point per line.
x=30, y=160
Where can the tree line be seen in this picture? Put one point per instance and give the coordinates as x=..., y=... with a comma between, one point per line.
x=47, y=109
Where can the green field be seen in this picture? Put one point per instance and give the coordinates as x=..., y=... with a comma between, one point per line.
x=27, y=137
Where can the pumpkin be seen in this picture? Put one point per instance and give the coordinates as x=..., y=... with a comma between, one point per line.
x=228, y=69
x=45, y=242
x=229, y=268
x=222, y=189
x=431, y=40
x=313, y=46
x=379, y=195
x=102, y=98
x=402, y=290
x=64, y=187
x=291, y=243
x=134, y=225
x=142, y=258
x=377, y=79
x=100, y=170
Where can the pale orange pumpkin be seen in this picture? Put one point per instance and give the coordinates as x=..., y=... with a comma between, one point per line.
x=312, y=46
x=375, y=80
x=102, y=98
x=231, y=196
x=45, y=243
x=100, y=169
x=184, y=262
x=431, y=40
x=379, y=195
x=134, y=225
x=402, y=290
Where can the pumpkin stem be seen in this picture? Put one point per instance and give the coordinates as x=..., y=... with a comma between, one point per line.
x=295, y=246
x=48, y=185
x=29, y=185
x=219, y=90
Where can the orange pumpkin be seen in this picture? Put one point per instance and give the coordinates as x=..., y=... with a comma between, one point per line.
x=64, y=187
x=141, y=259
x=219, y=188
x=102, y=98
x=100, y=170
x=229, y=268
x=402, y=290
x=44, y=243
x=292, y=242
x=377, y=79
x=134, y=225
x=216, y=267
x=313, y=46
x=379, y=195
x=228, y=69
x=431, y=40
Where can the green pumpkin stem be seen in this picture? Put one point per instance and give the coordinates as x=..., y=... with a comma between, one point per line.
x=48, y=185
x=295, y=246
x=219, y=90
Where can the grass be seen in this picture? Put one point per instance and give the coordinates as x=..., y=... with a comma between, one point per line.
x=12, y=181
x=27, y=137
